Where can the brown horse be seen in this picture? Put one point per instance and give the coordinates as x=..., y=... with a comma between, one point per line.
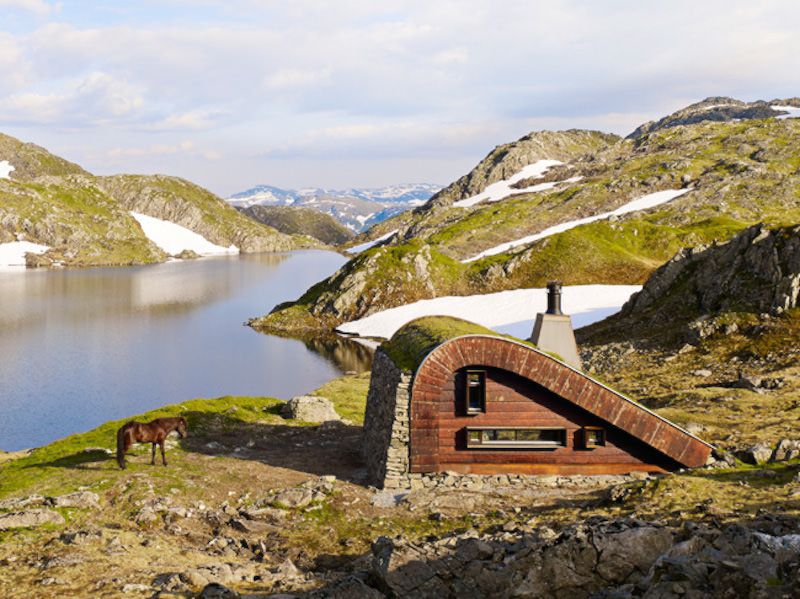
x=151, y=432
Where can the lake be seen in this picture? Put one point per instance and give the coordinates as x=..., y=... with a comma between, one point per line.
x=81, y=347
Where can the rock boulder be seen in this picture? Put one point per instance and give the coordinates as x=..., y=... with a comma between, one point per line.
x=310, y=408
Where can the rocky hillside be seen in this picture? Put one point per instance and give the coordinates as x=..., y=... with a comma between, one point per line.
x=298, y=220
x=718, y=109
x=733, y=174
x=86, y=220
x=711, y=288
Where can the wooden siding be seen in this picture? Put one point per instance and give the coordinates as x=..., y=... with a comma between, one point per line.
x=525, y=387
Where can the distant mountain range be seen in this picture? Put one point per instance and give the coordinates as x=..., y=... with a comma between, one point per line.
x=357, y=209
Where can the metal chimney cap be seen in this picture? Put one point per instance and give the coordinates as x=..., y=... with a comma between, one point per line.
x=554, y=298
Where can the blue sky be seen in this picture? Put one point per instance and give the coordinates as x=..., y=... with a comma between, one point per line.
x=355, y=93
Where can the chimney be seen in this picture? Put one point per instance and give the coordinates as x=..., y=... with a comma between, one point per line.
x=554, y=298
x=552, y=331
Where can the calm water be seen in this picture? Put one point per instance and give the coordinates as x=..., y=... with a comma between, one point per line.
x=78, y=348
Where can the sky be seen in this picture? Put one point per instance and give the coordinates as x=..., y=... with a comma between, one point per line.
x=309, y=93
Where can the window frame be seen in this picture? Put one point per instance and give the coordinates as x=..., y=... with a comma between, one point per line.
x=483, y=443
x=601, y=433
x=479, y=388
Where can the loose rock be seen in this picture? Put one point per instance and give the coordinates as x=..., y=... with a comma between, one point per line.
x=30, y=518
x=310, y=408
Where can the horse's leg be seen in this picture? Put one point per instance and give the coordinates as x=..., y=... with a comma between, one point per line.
x=153, y=456
x=121, y=448
x=163, y=457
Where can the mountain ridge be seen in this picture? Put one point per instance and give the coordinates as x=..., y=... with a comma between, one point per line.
x=736, y=172
x=85, y=219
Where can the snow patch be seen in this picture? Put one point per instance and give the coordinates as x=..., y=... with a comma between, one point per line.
x=174, y=239
x=502, y=189
x=5, y=169
x=508, y=312
x=793, y=111
x=643, y=203
x=12, y=255
x=365, y=246
x=712, y=106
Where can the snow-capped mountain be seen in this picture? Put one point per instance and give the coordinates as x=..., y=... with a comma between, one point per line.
x=357, y=209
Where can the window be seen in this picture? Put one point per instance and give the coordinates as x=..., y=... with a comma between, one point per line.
x=516, y=437
x=593, y=436
x=475, y=399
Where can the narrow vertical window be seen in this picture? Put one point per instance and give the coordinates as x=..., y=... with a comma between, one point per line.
x=476, y=391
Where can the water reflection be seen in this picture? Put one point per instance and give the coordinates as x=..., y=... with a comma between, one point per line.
x=85, y=346
x=29, y=297
x=347, y=354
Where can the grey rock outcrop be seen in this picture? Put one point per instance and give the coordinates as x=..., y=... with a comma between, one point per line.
x=81, y=500
x=758, y=270
x=711, y=109
x=215, y=590
x=600, y=558
x=581, y=560
x=310, y=408
x=756, y=454
x=508, y=159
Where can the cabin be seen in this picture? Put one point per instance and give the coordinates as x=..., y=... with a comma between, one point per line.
x=449, y=395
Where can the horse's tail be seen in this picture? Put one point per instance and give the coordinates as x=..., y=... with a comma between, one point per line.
x=121, y=447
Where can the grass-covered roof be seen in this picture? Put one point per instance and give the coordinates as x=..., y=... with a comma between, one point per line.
x=411, y=343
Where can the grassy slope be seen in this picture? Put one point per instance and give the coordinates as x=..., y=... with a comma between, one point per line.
x=299, y=220
x=189, y=205
x=75, y=218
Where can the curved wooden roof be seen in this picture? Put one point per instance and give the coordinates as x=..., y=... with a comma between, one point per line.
x=442, y=359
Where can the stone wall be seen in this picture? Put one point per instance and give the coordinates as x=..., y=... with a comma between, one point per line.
x=386, y=426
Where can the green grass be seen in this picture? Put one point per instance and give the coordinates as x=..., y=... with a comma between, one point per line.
x=52, y=464
x=409, y=346
x=348, y=394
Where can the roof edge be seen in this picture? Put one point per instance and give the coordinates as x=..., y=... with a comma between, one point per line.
x=575, y=370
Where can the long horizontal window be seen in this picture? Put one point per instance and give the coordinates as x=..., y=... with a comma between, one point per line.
x=516, y=437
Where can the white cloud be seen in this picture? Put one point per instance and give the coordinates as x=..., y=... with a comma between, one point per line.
x=393, y=80
x=185, y=148
x=297, y=78
x=95, y=99
x=37, y=7
x=13, y=65
x=192, y=120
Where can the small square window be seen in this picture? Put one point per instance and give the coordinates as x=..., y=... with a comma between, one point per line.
x=594, y=436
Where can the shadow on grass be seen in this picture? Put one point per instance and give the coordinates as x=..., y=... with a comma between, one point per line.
x=331, y=448
x=78, y=460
